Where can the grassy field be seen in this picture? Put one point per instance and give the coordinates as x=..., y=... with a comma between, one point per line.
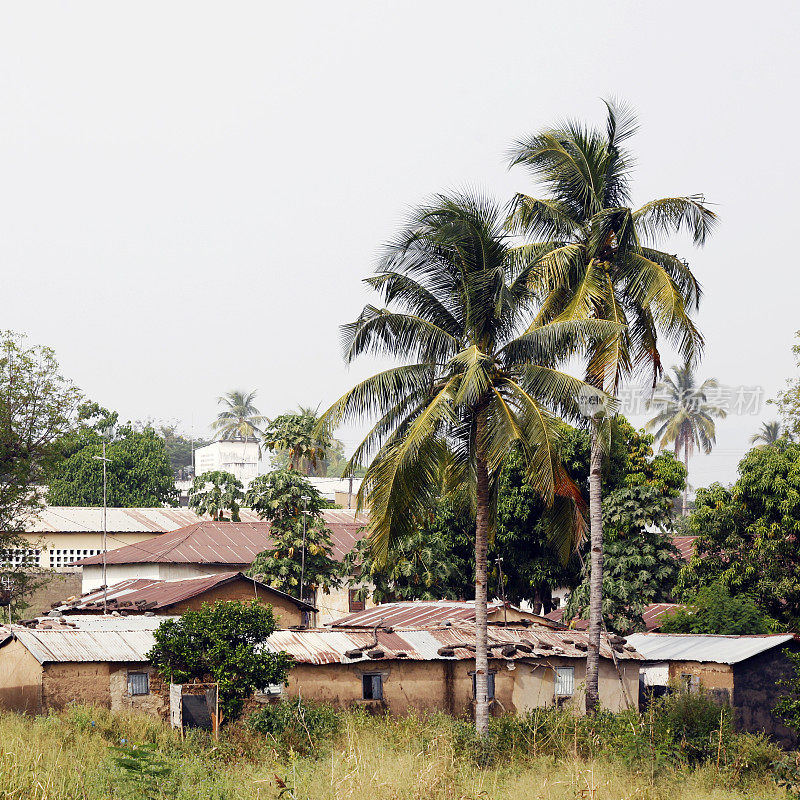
x=70, y=755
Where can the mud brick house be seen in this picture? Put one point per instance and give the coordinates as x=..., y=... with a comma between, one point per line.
x=94, y=660
x=432, y=669
x=146, y=595
x=741, y=671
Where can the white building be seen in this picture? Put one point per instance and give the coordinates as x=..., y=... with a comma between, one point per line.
x=240, y=458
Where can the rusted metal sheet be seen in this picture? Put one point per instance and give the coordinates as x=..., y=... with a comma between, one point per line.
x=325, y=646
x=61, y=645
x=234, y=543
x=149, y=594
x=413, y=613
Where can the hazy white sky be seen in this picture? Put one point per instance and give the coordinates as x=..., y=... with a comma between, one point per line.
x=190, y=193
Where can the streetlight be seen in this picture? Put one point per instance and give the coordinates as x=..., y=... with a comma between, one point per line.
x=305, y=498
x=105, y=527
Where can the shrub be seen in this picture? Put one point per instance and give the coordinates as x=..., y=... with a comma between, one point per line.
x=304, y=728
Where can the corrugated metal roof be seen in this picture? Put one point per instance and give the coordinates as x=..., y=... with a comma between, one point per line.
x=651, y=615
x=86, y=519
x=710, y=648
x=420, y=613
x=325, y=646
x=685, y=545
x=148, y=594
x=235, y=543
x=67, y=645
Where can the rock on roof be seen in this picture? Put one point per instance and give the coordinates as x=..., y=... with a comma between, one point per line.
x=208, y=542
x=457, y=642
x=151, y=594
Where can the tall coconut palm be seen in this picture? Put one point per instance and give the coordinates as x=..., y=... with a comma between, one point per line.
x=768, y=434
x=239, y=419
x=598, y=260
x=685, y=417
x=473, y=383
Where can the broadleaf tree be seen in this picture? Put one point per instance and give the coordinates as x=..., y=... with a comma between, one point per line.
x=216, y=493
x=598, y=258
x=477, y=379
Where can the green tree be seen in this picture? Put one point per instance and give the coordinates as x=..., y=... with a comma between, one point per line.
x=475, y=382
x=180, y=447
x=138, y=470
x=685, y=417
x=301, y=557
x=37, y=406
x=239, y=419
x=299, y=441
x=768, y=434
x=748, y=533
x=216, y=492
x=641, y=564
x=714, y=610
x=226, y=642
x=597, y=259
x=788, y=401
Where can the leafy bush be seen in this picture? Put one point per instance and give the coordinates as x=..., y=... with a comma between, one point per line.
x=297, y=726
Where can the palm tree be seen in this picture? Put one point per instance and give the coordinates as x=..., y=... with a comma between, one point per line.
x=768, y=434
x=597, y=260
x=685, y=417
x=473, y=384
x=239, y=420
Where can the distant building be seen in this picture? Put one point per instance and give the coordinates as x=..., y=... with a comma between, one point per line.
x=239, y=457
x=341, y=491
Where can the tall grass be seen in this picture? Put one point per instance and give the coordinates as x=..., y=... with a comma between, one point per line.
x=547, y=756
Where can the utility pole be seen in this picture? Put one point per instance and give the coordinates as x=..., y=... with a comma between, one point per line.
x=105, y=527
x=305, y=498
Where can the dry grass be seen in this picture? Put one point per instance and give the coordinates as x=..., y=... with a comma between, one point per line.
x=67, y=757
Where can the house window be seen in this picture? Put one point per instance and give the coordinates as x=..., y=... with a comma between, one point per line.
x=138, y=683
x=690, y=683
x=565, y=681
x=353, y=603
x=372, y=686
x=489, y=686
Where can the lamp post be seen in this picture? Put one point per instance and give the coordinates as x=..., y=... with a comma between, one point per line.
x=305, y=498
x=105, y=527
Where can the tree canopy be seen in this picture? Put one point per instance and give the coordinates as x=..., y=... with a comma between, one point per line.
x=223, y=642
x=299, y=442
x=138, y=470
x=215, y=493
x=748, y=533
x=714, y=610
x=294, y=507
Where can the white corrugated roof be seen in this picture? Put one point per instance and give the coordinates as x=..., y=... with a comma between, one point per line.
x=706, y=647
x=81, y=645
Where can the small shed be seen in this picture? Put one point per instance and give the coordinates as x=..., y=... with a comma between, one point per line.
x=98, y=661
x=740, y=671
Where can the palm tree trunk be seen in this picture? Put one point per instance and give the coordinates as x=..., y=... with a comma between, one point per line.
x=596, y=576
x=686, y=488
x=481, y=583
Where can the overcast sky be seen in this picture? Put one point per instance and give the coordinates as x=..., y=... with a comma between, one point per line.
x=190, y=193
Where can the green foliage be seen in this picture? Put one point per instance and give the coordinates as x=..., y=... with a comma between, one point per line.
x=144, y=773
x=747, y=534
x=223, y=642
x=139, y=473
x=240, y=419
x=37, y=405
x=298, y=440
x=788, y=705
x=296, y=726
x=278, y=497
x=788, y=401
x=178, y=446
x=216, y=492
x=641, y=564
x=714, y=610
